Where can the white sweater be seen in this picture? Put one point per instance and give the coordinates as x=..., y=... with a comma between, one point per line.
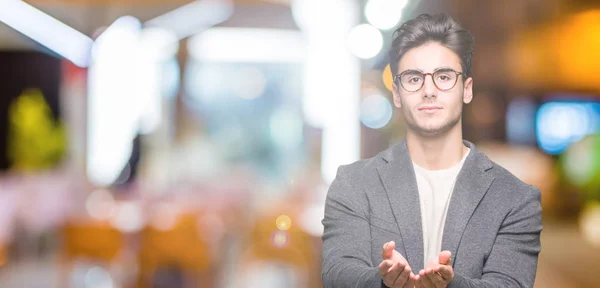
x=435, y=190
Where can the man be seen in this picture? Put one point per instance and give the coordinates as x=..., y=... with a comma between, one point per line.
x=432, y=211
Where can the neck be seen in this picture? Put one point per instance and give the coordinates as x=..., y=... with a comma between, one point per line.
x=438, y=151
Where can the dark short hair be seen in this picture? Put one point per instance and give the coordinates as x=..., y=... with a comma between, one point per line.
x=427, y=28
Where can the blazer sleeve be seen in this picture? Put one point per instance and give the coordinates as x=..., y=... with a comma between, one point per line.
x=514, y=256
x=346, y=255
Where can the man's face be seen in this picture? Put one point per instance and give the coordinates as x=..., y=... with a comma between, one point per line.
x=430, y=111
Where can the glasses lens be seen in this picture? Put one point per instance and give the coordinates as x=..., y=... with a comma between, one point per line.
x=444, y=80
x=412, y=80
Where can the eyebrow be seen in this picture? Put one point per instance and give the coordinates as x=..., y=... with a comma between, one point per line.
x=444, y=69
x=413, y=71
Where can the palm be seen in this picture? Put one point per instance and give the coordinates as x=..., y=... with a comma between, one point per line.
x=394, y=268
x=441, y=266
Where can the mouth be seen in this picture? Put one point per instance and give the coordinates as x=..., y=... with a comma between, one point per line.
x=430, y=108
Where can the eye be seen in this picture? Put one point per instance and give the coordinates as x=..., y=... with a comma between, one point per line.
x=414, y=80
x=444, y=77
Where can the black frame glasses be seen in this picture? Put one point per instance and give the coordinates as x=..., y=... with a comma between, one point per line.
x=398, y=78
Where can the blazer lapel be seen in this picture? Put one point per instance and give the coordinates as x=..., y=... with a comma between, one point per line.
x=399, y=180
x=471, y=185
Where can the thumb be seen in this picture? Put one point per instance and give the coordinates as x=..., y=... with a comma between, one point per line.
x=388, y=249
x=445, y=257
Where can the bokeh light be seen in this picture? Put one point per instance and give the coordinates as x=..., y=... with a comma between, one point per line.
x=249, y=83
x=375, y=111
x=365, y=41
x=581, y=165
x=128, y=217
x=384, y=14
x=579, y=161
x=589, y=223
x=98, y=277
x=280, y=239
x=164, y=216
x=561, y=123
x=100, y=204
x=283, y=222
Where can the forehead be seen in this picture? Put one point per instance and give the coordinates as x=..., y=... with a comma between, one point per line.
x=428, y=57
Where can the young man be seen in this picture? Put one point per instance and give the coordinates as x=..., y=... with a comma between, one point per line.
x=432, y=211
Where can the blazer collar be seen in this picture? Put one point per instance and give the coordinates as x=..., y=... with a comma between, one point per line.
x=399, y=180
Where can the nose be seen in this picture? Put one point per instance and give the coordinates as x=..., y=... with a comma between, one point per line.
x=429, y=89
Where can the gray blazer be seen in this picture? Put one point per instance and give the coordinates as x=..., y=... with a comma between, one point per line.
x=492, y=227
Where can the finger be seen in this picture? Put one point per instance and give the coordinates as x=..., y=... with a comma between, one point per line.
x=388, y=249
x=446, y=271
x=403, y=277
x=411, y=281
x=418, y=282
x=425, y=281
x=445, y=257
x=384, y=249
x=384, y=266
x=395, y=268
x=435, y=278
x=394, y=272
x=400, y=260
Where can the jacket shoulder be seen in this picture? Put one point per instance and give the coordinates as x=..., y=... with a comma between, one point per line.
x=360, y=169
x=512, y=184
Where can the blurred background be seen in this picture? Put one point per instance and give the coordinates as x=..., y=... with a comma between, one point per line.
x=178, y=143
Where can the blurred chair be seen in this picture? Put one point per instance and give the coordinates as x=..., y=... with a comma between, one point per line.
x=95, y=241
x=276, y=239
x=293, y=248
x=180, y=247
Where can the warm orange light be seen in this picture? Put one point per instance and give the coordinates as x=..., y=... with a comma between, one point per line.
x=577, y=50
x=387, y=77
x=564, y=55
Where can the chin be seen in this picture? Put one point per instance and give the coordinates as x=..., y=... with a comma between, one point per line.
x=431, y=132
x=432, y=129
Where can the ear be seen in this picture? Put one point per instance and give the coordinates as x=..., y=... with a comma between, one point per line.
x=397, y=101
x=468, y=91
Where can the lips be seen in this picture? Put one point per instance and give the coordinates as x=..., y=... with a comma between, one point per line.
x=430, y=108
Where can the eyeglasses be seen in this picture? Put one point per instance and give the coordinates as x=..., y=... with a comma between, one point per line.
x=413, y=80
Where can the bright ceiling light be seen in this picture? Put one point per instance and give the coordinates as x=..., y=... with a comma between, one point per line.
x=248, y=45
x=51, y=33
x=194, y=17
